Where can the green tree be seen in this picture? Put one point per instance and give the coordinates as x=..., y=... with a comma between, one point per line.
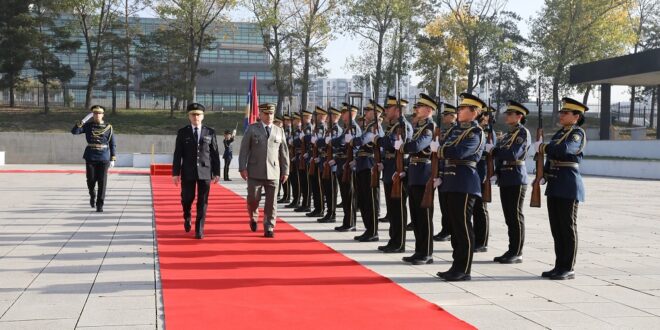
x=113, y=65
x=16, y=34
x=130, y=10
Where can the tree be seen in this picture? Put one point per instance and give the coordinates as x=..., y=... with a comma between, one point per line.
x=565, y=33
x=196, y=18
x=131, y=8
x=112, y=64
x=16, y=34
x=51, y=40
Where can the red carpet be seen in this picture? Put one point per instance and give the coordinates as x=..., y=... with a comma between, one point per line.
x=236, y=279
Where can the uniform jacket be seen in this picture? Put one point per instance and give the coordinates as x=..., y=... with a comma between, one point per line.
x=389, y=153
x=333, y=133
x=509, y=155
x=482, y=165
x=340, y=145
x=100, y=141
x=461, y=152
x=365, y=154
x=229, y=152
x=265, y=158
x=319, y=132
x=419, y=166
x=561, y=170
x=193, y=161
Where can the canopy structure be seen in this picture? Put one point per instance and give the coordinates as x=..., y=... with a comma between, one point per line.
x=641, y=69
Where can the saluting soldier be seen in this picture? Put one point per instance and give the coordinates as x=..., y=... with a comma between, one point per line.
x=481, y=219
x=509, y=155
x=314, y=178
x=227, y=154
x=295, y=146
x=286, y=186
x=305, y=153
x=449, y=121
x=367, y=197
x=418, y=174
x=330, y=183
x=397, y=211
x=346, y=188
x=461, y=183
x=565, y=189
x=99, y=154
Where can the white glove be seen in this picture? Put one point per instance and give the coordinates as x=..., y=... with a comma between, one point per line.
x=112, y=163
x=537, y=145
x=317, y=160
x=332, y=162
x=89, y=115
x=352, y=163
x=328, y=139
x=435, y=145
x=301, y=136
x=233, y=133
x=373, y=138
x=488, y=147
x=290, y=141
x=402, y=175
x=397, y=144
x=306, y=155
x=437, y=182
x=348, y=138
x=542, y=181
x=314, y=138
x=380, y=166
x=369, y=137
x=493, y=179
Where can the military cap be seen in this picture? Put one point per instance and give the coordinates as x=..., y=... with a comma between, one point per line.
x=569, y=104
x=278, y=118
x=320, y=111
x=426, y=101
x=227, y=131
x=345, y=106
x=379, y=108
x=391, y=101
x=369, y=106
x=513, y=106
x=195, y=108
x=286, y=117
x=335, y=111
x=267, y=108
x=449, y=109
x=306, y=113
x=469, y=100
x=295, y=116
x=97, y=109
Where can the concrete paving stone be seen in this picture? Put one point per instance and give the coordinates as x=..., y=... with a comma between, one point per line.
x=45, y=306
x=635, y=299
x=608, y=309
x=55, y=323
x=454, y=299
x=633, y=322
x=564, y=318
x=526, y=304
x=492, y=317
x=113, y=327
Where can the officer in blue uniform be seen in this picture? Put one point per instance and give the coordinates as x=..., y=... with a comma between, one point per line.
x=368, y=197
x=481, y=219
x=346, y=188
x=196, y=164
x=228, y=154
x=330, y=182
x=449, y=121
x=509, y=155
x=312, y=140
x=461, y=183
x=397, y=211
x=295, y=146
x=99, y=154
x=565, y=189
x=303, y=162
x=418, y=174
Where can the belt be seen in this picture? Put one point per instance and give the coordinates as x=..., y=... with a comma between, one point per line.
x=97, y=146
x=390, y=155
x=365, y=154
x=339, y=156
x=418, y=160
x=514, y=162
x=554, y=163
x=454, y=162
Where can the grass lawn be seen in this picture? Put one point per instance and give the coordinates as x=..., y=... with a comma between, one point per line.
x=124, y=121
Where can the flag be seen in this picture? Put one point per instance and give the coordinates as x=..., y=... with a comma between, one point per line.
x=252, y=105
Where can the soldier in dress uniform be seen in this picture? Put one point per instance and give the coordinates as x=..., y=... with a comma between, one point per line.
x=449, y=121
x=413, y=120
x=481, y=219
x=196, y=164
x=565, y=188
x=418, y=174
x=330, y=183
x=279, y=122
x=99, y=154
x=346, y=188
x=295, y=156
x=314, y=178
x=397, y=211
x=227, y=155
x=305, y=152
x=286, y=186
x=461, y=183
x=368, y=197
x=509, y=155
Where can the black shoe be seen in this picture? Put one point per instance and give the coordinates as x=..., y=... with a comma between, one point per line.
x=269, y=234
x=383, y=247
x=99, y=208
x=563, y=275
x=550, y=273
x=442, y=274
x=340, y=205
x=253, y=225
x=410, y=227
x=227, y=179
x=456, y=276
x=384, y=219
x=369, y=238
x=199, y=235
x=480, y=249
x=394, y=250
x=187, y=224
x=302, y=209
x=442, y=237
x=292, y=205
x=359, y=237
x=422, y=261
x=345, y=229
x=92, y=201
x=410, y=258
x=327, y=219
x=505, y=259
x=314, y=214
x=283, y=200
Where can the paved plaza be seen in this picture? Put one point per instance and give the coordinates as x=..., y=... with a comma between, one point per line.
x=64, y=266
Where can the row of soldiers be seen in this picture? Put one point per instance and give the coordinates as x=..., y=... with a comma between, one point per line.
x=335, y=154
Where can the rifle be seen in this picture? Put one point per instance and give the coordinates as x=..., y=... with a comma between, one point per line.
x=429, y=190
x=536, y=184
x=346, y=175
x=375, y=173
x=303, y=147
x=328, y=147
x=315, y=150
x=292, y=153
x=486, y=187
x=396, y=180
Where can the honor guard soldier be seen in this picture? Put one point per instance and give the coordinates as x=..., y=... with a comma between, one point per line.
x=413, y=120
x=449, y=121
x=509, y=155
x=314, y=177
x=295, y=155
x=397, y=211
x=279, y=122
x=286, y=186
x=418, y=174
x=368, y=196
x=228, y=154
x=329, y=174
x=565, y=189
x=99, y=154
x=303, y=162
x=461, y=183
x=196, y=164
x=481, y=219
x=346, y=187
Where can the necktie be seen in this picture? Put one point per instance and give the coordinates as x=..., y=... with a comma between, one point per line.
x=196, y=136
x=268, y=131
